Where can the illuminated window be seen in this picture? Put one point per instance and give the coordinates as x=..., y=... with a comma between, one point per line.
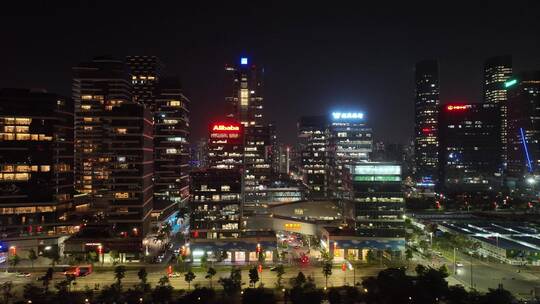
x=121, y=195
x=244, y=97
x=23, y=121
x=88, y=119
x=121, y=130
x=171, y=151
x=86, y=97
x=45, y=168
x=174, y=103
x=86, y=107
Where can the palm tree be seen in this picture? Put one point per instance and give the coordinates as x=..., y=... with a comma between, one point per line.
x=119, y=274
x=253, y=276
x=32, y=256
x=327, y=271
x=188, y=277
x=210, y=274
x=280, y=271
x=7, y=291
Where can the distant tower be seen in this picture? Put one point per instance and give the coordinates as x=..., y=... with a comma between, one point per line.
x=245, y=99
x=426, y=112
x=497, y=70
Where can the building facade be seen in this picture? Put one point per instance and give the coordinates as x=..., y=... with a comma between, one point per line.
x=497, y=70
x=470, y=147
x=426, y=112
x=171, y=148
x=36, y=163
x=98, y=86
x=523, y=136
x=130, y=148
x=312, y=150
x=350, y=142
x=377, y=200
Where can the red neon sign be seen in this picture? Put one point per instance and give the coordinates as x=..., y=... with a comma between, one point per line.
x=457, y=107
x=225, y=128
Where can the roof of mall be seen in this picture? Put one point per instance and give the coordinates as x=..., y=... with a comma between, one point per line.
x=506, y=235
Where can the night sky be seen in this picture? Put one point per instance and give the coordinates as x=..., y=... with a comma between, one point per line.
x=316, y=58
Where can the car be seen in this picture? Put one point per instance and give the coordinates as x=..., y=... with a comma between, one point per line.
x=175, y=275
x=23, y=274
x=459, y=264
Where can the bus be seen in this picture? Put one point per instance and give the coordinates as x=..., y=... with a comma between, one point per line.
x=79, y=271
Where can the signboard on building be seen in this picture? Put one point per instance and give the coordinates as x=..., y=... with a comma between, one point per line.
x=227, y=132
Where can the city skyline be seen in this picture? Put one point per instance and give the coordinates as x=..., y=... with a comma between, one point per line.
x=352, y=55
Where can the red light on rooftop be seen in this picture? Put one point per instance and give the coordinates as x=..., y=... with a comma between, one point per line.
x=426, y=130
x=457, y=107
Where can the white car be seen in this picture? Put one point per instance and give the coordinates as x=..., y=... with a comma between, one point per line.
x=175, y=275
x=459, y=265
x=23, y=274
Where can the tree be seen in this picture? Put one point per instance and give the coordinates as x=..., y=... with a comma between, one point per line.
x=92, y=257
x=33, y=293
x=210, y=274
x=188, y=277
x=115, y=255
x=280, y=271
x=253, y=276
x=371, y=256
x=119, y=274
x=47, y=278
x=32, y=256
x=258, y=295
x=408, y=254
x=204, y=260
x=327, y=271
x=497, y=296
x=7, y=292
x=334, y=297
x=14, y=260
x=53, y=255
x=299, y=281
x=143, y=275
x=233, y=283
x=163, y=291
x=262, y=257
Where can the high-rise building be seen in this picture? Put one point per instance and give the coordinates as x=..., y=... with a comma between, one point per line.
x=129, y=146
x=171, y=148
x=312, y=150
x=199, y=154
x=523, y=136
x=497, y=70
x=426, y=112
x=245, y=100
x=350, y=142
x=226, y=145
x=216, y=204
x=170, y=107
x=146, y=73
x=98, y=86
x=36, y=164
x=470, y=147
x=377, y=200
x=113, y=155
x=245, y=103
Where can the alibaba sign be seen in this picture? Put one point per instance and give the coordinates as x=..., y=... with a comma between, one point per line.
x=226, y=128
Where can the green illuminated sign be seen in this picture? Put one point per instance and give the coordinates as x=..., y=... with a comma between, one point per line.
x=377, y=178
x=510, y=83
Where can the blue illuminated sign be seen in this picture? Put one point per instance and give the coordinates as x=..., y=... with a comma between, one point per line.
x=347, y=115
x=243, y=61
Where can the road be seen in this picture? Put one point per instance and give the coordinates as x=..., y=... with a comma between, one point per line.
x=338, y=277
x=487, y=275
